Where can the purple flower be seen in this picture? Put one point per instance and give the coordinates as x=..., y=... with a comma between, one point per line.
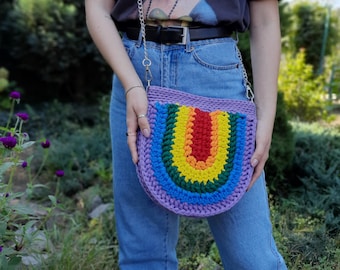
x=24, y=164
x=23, y=116
x=59, y=173
x=14, y=95
x=46, y=144
x=9, y=141
x=7, y=195
x=1, y=248
x=25, y=136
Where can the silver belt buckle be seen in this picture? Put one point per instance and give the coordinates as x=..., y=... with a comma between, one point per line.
x=185, y=32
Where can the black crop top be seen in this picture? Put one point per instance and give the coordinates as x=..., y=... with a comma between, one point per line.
x=232, y=13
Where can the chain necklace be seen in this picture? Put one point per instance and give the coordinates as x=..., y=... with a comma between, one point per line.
x=170, y=13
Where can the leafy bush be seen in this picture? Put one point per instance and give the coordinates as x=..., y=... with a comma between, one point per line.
x=49, y=46
x=334, y=78
x=281, y=152
x=84, y=245
x=303, y=239
x=303, y=92
x=306, y=220
x=308, y=28
x=195, y=244
x=317, y=166
x=20, y=230
x=41, y=236
x=81, y=143
x=88, y=154
x=6, y=86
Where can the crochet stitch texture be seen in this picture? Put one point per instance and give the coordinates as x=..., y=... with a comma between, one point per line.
x=197, y=160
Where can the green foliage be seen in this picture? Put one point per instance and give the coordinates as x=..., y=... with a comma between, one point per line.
x=52, y=34
x=317, y=166
x=4, y=83
x=83, y=162
x=5, y=87
x=303, y=92
x=302, y=239
x=311, y=28
x=310, y=22
x=85, y=155
x=333, y=86
x=285, y=24
x=38, y=29
x=196, y=248
x=306, y=220
x=281, y=151
x=19, y=229
x=84, y=245
x=23, y=232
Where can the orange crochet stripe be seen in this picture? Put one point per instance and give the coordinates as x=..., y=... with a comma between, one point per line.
x=187, y=164
x=213, y=141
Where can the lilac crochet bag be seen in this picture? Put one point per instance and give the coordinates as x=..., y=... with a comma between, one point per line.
x=197, y=160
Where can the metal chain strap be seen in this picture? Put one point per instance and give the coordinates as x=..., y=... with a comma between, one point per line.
x=146, y=61
x=249, y=91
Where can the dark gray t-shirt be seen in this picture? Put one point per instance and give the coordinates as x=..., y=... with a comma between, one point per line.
x=232, y=13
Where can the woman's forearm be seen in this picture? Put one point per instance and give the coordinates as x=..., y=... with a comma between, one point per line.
x=108, y=41
x=265, y=44
x=265, y=55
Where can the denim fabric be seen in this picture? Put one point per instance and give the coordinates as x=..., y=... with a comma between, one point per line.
x=147, y=233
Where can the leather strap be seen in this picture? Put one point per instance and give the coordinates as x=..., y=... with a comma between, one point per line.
x=176, y=34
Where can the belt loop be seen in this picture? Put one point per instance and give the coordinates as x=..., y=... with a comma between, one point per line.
x=159, y=32
x=236, y=34
x=140, y=39
x=188, y=42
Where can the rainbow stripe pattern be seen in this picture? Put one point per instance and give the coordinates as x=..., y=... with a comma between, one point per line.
x=197, y=160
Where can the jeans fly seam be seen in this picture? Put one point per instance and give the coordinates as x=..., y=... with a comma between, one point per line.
x=165, y=241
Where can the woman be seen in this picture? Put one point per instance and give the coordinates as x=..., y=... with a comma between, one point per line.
x=207, y=63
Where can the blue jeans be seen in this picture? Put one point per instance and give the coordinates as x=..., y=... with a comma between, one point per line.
x=147, y=233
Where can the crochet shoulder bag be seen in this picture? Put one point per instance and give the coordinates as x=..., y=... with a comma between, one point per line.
x=197, y=160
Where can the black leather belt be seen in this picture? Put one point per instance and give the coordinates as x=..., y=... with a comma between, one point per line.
x=177, y=34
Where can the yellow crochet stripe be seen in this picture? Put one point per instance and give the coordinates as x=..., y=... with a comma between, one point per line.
x=179, y=151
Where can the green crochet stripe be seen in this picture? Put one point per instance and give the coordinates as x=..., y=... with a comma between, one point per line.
x=192, y=185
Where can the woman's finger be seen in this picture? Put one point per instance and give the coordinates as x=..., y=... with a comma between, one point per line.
x=131, y=141
x=131, y=133
x=258, y=161
x=143, y=124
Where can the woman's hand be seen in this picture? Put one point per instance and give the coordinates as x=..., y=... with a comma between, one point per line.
x=261, y=154
x=136, y=118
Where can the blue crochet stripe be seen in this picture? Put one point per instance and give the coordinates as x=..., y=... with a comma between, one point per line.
x=180, y=194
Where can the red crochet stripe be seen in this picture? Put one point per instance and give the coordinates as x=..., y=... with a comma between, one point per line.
x=201, y=141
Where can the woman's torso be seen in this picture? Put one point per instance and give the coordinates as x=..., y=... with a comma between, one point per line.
x=232, y=13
